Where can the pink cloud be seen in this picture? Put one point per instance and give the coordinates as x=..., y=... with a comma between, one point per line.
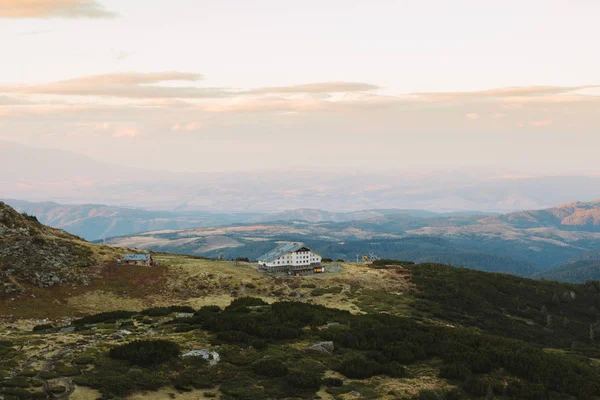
x=125, y=133
x=53, y=8
x=472, y=116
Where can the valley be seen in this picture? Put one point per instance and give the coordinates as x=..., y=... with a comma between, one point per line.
x=524, y=244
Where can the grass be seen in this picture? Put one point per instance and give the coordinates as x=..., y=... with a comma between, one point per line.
x=197, y=282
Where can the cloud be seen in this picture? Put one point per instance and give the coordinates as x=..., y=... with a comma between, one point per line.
x=324, y=87
x=53, y=9
x=472, y=116
x=540, y=124
x=190, y=127
x=150, y=85
x=123, y=85
x=514, y=91
x=125, y=133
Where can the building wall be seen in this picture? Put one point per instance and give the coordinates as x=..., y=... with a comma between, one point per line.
x=295, y=259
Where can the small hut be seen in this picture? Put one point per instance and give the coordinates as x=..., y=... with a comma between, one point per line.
x=138, y=259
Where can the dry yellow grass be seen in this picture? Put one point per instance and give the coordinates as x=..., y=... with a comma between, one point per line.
x=84, y=393
x=173, y=394
x=184, y=280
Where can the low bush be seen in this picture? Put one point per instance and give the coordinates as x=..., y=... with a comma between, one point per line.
x=111, y=316
x=164, y=311
x=330, y=290
x=42, y=327
x=270, y=367
x=146, y=352
x=246, y=302
x=384, y=262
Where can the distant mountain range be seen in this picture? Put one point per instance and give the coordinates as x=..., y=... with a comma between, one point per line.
x=97, y=221
x=573, y=216
x=556, y=243
x=515, y=243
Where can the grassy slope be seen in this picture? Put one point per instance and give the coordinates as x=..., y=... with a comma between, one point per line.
x=432, y=295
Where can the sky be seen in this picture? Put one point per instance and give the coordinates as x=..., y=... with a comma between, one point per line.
x=199, y=86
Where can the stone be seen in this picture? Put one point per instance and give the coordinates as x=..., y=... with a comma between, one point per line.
x=322, y=347
x=212, y=357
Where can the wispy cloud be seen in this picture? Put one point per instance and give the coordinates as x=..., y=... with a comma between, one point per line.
x=151, y=85
x=124, y=85
x=189, y=127
x=54, y=9
x=324, y=87
x=125, y=133
x=472, y=116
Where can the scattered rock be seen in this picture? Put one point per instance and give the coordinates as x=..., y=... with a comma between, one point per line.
x=212, y=357
x=323, y=347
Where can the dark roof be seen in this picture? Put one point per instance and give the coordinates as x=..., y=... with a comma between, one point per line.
x=137, y=257
x=281, y=250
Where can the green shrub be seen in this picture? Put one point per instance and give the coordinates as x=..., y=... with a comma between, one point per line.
x=455, y=371
x=48, y=375
x=332, y=382
x=270, y=367
x=108, y=317
x=246, y=302
x=30, y=373
x=42, y=327
x=384, y=262
x=146, y=352
x=18, y=381
x=66, y=370
x=303, y=379
x=359, y=367
x=330, y=290
x=83, y=360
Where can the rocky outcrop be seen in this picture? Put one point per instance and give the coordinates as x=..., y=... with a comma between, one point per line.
x=322, y=347
x=34, y=254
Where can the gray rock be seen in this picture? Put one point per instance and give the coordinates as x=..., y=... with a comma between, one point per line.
x=322, y=347
x=212, y=357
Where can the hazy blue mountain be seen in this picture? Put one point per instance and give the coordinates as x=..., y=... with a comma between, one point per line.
x=97, y=221
x=500, y=243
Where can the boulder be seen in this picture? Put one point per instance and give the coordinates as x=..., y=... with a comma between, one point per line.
x=322, y=347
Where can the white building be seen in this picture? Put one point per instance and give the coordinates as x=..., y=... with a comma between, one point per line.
x=294, y=258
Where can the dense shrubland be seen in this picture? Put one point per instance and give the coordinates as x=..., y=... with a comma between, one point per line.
x=547, y=313
x=259, y=360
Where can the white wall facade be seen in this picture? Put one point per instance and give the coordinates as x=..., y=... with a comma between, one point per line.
x=297, y=258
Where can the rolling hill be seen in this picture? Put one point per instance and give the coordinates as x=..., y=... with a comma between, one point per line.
x=501, y=243
x=580, y=216
x=193, y=328
x=34, y=254
x=97, y=221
